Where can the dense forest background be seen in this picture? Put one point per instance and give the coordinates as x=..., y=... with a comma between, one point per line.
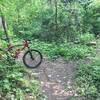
x=57, y=28
x=50, y=20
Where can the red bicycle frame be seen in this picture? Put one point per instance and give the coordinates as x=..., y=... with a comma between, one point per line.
x=17, y=52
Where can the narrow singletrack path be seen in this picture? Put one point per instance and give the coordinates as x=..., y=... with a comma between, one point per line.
x=56, y=78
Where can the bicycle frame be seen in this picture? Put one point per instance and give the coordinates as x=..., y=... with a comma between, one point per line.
x=10, y=46
x=17, y=51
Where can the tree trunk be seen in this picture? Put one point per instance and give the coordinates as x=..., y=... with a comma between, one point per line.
x=56, y=16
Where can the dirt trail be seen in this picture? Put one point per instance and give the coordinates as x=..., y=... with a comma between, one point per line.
x=56, y=78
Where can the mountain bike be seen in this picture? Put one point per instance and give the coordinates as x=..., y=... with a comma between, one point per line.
x=31, y=58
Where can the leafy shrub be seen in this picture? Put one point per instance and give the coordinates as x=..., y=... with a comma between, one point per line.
x=70, y=20
x=16, y=83
x=72, y=51
x=85, y=38
x=88, y=79
x=48, y=49
x=67, y=50
x=94, y=16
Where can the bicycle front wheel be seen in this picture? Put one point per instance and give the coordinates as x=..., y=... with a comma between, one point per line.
x=32, y=58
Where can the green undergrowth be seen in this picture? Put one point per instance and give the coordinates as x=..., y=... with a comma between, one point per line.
x=88, y=76
x=15, y=85
x=18, y=83
x=68, y=50
x=88, y=79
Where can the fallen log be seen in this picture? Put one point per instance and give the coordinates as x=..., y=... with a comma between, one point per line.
x=92, y=43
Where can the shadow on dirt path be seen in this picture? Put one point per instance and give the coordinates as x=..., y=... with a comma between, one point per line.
x=56, y=78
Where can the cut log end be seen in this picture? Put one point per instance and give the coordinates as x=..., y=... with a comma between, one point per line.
x=92, y=43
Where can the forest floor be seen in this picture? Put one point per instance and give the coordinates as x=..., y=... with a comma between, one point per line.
x=56, y=78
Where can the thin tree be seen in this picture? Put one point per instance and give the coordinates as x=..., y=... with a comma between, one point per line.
x=56, y=16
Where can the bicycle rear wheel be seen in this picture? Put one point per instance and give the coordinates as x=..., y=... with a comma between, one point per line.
x=32, y=58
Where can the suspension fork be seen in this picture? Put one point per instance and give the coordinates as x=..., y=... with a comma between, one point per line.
x=30, y=53
x=26, y=44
